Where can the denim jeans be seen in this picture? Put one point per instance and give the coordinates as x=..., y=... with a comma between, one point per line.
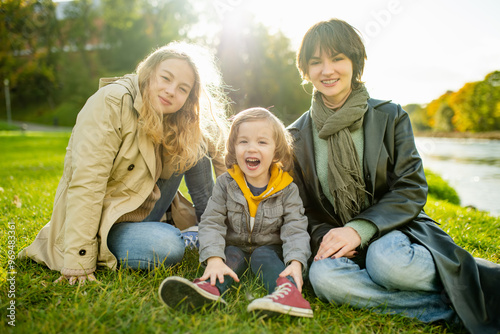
x=266, y=262
x=146, y=245
x=200, y=184
x=399, y=277
x=150, y=243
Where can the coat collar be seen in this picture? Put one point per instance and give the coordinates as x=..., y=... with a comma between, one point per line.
x=146, y=147
x=302, y=132
x=374, y=125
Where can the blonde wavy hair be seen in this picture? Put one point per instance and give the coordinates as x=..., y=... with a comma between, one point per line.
x=283, y=153
x=200, y=126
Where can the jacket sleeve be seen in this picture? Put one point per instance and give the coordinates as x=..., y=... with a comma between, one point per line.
x=401, y=187
x=294, y=230
x=95, y=143
x=212, y=228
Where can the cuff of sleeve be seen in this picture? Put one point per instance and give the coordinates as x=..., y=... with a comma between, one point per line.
x=205, y=255
x=304, y=265
x=77, y=272
x=365, y=229
x=80, y=257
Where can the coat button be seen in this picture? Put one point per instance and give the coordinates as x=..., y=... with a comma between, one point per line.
x=131, y=167
x=82, y=252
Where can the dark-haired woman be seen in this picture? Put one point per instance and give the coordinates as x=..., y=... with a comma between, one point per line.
x=363, y=186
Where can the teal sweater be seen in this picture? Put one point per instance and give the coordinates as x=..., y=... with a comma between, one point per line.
x=364, y=228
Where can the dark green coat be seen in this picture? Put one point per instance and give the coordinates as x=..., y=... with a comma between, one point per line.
x=395, y=178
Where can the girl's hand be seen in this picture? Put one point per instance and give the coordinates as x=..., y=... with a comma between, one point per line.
x=294, y=269
x=216, y=269
x=81, y=279
x=339, y=242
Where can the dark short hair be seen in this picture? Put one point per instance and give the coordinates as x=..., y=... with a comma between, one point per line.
x=333, y=36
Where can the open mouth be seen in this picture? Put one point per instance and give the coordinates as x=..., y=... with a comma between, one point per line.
x=252, y=163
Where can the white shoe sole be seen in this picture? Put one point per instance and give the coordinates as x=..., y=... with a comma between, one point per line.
x=269, y=307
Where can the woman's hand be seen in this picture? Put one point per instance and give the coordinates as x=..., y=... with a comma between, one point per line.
x=294, y=269
x=216, y=269
x=81, y=279
x=339, y=242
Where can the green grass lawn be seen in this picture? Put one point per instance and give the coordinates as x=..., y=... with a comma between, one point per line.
x=126, y=301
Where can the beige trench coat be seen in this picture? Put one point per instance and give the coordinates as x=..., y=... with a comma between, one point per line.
x=109, y=170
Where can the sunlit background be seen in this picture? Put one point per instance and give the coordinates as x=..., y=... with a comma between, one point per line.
x=417, y=50
x=440, y=59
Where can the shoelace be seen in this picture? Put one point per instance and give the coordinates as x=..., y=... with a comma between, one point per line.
x=191, y=240
x=281, y=291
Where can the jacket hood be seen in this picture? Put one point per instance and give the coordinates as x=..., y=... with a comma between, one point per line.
x=279, y=180
x=130, y=82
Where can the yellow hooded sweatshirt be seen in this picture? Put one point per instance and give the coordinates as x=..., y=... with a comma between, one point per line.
x=279, y=180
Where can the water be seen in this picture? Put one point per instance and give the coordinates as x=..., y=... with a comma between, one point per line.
x=471, y=167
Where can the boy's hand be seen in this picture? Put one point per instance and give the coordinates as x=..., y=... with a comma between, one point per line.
x=216, y=269
x=294, y=269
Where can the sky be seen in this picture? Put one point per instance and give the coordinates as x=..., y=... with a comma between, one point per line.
x=417, y=50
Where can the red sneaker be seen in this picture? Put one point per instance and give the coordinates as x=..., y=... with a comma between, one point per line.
x=285, y=299
x=176, y=291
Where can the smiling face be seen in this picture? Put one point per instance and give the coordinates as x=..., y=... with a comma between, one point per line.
x=254, y=149
x=331, y=75
x=171, y=85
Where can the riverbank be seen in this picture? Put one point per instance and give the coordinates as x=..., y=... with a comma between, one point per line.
x=494, y=135
x=470, y=165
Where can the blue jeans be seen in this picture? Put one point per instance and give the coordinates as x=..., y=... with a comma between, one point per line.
x=266, y=262
x=146, y=245
x=200, y=184
x=151, y=243
x=400, y=277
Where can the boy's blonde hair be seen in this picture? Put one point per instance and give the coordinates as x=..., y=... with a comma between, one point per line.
x=201, y=123
x=283, y=153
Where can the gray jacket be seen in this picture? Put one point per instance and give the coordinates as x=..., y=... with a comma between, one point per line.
x=279, y=220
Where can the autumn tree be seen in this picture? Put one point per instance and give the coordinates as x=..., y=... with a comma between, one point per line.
x=260, y=68
x=133, y=28
x=477, y=105
x=418, y=117
x=28, y=36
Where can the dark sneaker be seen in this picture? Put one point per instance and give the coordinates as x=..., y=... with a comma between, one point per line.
x=190, y=237
x=286, y=299
x=177, y=291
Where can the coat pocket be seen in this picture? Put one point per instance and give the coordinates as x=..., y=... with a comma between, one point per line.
x=236, y=217
x=272, y=218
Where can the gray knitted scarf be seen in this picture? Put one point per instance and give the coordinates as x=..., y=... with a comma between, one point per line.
x=345, y=181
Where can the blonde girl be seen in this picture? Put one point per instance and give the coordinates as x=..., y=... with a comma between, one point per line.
x=132, y=142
